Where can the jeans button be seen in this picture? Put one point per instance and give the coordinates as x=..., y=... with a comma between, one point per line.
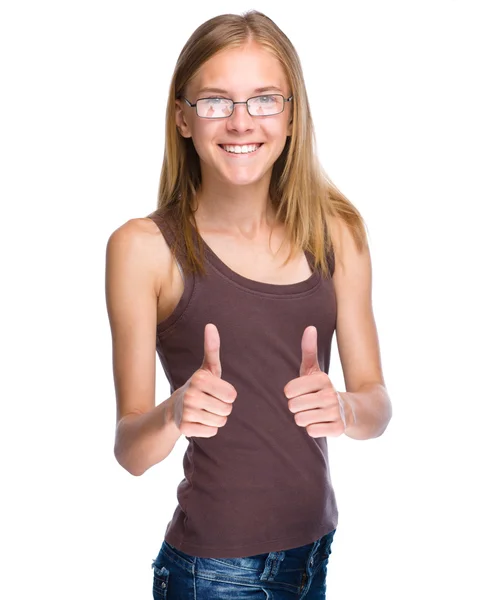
x=311, y=562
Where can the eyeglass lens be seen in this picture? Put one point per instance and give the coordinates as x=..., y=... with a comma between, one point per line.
x=222, y=107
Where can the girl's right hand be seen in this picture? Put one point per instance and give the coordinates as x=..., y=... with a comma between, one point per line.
x=203, y=403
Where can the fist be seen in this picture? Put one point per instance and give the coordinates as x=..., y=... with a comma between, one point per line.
x=203, y=403
x=313, y=400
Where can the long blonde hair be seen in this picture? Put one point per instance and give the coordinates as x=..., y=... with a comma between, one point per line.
x=301, y=193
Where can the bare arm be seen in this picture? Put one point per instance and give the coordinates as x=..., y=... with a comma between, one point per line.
x=357, y=340
x=136, y=254
x=146, y=439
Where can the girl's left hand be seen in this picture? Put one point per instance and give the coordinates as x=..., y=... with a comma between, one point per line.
x=316, y=404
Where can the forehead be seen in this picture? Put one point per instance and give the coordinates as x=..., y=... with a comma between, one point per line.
x=240, y=71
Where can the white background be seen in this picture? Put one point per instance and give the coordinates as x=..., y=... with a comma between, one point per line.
x=395, y=90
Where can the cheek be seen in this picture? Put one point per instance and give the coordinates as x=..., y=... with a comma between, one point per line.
x=278, y=132
x=279, y=138
x=198, y=147
x=202, y=135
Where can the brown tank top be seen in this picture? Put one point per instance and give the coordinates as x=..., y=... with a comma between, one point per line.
x=262, y=483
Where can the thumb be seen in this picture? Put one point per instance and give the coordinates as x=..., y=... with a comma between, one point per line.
x=211, y=359
x=310, y=362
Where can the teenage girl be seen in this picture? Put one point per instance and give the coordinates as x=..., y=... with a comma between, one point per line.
x=238, y=281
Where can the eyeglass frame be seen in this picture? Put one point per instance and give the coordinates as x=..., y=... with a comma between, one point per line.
x=194, y=105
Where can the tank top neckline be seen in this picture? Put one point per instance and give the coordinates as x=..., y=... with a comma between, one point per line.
x=260, y=286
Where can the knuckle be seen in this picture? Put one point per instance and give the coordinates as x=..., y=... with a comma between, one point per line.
x=189, y=395
x=187, y=414
x=200, y=377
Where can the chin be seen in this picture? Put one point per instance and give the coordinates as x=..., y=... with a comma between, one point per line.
x=243, y=180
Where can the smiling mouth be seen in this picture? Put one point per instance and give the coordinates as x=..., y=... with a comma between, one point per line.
x=240, y=153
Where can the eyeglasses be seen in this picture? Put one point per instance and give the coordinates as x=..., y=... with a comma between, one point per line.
x=221, y=108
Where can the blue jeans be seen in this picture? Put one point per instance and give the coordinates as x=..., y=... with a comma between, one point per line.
x=283, y=575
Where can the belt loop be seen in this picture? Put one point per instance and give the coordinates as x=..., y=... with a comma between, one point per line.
x=272, y=565
x=310, y=560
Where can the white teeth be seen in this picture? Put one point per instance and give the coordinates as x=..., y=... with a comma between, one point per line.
x=241, y=149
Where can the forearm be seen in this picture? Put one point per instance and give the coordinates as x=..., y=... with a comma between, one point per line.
x=369, y=412
x=146, y=439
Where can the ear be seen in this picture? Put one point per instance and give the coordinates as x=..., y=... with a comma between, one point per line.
x=181, y=122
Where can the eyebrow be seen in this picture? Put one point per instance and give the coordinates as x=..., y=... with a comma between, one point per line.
x=259, y=90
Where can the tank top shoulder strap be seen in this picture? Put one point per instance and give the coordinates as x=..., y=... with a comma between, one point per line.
x=164, y=223
x=329, y=253
x=175, y=242
x=330, y=256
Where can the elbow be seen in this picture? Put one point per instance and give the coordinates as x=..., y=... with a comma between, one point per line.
x=387, y=419
x=131, y=469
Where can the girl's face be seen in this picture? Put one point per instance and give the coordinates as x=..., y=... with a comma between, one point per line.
x=237, y=74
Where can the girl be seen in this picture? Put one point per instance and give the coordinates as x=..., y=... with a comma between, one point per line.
x=238, y=280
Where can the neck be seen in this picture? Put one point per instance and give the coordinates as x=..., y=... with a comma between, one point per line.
x=235, y=209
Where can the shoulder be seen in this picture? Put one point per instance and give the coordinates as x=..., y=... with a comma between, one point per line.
x=351, y=249
x=139, y=244
x=136, y=235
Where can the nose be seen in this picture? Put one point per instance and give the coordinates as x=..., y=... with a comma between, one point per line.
x=240, y=119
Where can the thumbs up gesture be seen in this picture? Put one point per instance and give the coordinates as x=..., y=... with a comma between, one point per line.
x=316, y=404
x=204, y=402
